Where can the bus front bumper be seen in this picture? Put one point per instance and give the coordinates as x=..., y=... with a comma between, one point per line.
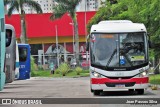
x=119, y=85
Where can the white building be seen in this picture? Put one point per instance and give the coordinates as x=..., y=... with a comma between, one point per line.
x=89, y=5
x=46, y=6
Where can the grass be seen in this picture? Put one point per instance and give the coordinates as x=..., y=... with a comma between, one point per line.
x=154, y=79
x=71, y=73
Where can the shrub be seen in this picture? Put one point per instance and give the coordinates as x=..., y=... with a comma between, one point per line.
x=64, y=68
x=32, y=67
x=57, y=71
x=78, y=70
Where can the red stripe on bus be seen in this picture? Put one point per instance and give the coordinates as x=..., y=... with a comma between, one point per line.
x=107, y=80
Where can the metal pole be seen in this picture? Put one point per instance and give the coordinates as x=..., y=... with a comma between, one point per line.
x=65, y=56
x=43, y=55
x=57, y=45
x=86, y=30
x=73, y=38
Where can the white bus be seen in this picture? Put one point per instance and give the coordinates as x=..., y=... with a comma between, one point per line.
x=17, y=62
x=119, y=56
x=10, y=60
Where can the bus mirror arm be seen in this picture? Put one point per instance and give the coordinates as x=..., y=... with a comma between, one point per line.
x=150, y=44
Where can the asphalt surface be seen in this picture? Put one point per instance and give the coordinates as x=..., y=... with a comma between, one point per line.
x=65, y=88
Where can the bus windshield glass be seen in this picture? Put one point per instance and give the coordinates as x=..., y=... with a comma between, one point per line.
x=119, y=50
x=8, y=37
x=22, y=54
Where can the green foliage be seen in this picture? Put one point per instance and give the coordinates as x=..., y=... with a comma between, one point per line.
x=19, y=6
x=64, y=6
x=78, y=70
x=57, y=71
x=154, y=79
x=32, y=67
x=63, y=69
x=42, y=73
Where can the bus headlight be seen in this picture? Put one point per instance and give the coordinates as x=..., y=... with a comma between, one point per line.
x=143, y=74
x=95, y=74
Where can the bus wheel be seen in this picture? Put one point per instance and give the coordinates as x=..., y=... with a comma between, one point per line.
x=97, y=92
x=140, y=91
x=92, y=90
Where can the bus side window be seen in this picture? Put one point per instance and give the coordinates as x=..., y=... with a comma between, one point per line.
x=8, y=37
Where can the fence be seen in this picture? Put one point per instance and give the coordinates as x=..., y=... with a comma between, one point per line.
x=44, y=61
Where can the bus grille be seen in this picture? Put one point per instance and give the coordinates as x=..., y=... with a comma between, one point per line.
x=120, y=77
x=128, y=84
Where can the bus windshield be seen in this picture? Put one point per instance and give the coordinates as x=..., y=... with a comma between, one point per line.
x=22, y=54
x=119, y=50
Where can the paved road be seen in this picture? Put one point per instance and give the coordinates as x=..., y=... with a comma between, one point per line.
x=63, y=88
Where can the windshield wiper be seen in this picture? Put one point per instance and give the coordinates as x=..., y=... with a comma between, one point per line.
x=110, y=59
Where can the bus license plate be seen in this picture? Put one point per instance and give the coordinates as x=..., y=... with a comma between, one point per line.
x=120, y=85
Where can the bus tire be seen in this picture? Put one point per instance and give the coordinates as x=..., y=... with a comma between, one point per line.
x=92, y=90
x=97, y=92
x=140, y=91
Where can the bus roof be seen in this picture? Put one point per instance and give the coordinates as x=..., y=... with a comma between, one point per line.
x=8, y=26
x=23, y=45
x=117, y=26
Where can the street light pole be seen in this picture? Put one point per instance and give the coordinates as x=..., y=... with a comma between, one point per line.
x=86, y=30
x=73, y=37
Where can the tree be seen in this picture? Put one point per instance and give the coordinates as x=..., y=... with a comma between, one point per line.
x=68, y=6
x=141, y=11
x=19, y=6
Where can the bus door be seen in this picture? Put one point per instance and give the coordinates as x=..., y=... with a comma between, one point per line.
x=24, y=61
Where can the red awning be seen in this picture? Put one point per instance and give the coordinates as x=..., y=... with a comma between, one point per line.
x=40, y=25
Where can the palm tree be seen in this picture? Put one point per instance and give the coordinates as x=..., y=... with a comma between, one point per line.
x=68, y=6
x=19, y=6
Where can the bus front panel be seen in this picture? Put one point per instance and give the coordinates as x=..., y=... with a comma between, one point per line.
x=119, y=61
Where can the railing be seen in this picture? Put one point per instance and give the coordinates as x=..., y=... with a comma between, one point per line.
x=44, y=61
